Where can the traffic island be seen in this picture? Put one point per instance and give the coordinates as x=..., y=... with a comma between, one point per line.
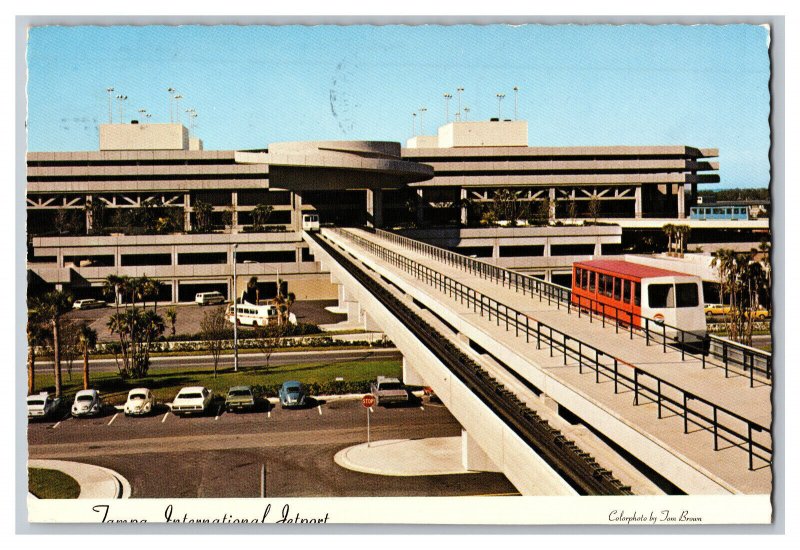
x=94, y=481
x=405, y=457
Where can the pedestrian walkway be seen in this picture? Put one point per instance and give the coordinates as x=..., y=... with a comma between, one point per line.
x=728, y=466
x=95, y=482
x=434, y=456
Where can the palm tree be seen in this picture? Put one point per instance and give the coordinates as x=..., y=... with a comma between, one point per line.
x=37, y=336
x=669, y=231
x=87, y=337
x=252, y=287
x=111, y=287
x=172, y=317
x=54, y=304
x=150, y=287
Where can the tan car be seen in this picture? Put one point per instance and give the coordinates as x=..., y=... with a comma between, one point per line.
x=722, y=309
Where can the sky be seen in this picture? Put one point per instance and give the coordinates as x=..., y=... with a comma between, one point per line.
x=702, y=86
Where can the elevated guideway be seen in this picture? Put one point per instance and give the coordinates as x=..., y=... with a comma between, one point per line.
x=501, y=433
x=702, y=425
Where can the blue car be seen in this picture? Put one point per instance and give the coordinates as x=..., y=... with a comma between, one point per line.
x=292, y=394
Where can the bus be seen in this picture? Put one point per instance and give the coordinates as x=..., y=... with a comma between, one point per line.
x=631, y=292
x=252, y=315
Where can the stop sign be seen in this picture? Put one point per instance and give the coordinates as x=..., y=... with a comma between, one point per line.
x=368, y=400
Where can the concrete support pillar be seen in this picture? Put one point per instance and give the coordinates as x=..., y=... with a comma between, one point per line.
x=473, y=457
x=174, y=291
x=410, y=376
x=369, y=322
x=420, y=208
x=495, y=251
x=174, y=259
x=88, y=214
x=552, y=198
x=297, y=211
x=298, y=254
x=681, y=200
x=546, y=252
x=187, y=212
x=598, y=248
x=234, y=212
x=637, y=204
x=693, y=201
x=464, y=209
x=349, y=306
x=375, y=208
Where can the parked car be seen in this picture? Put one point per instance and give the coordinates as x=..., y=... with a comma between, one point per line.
x=388, y=391
x=240, y=398
x=722, y=309
x=41, y=405
x=87, y=403
x=209, y=298
x=88, y=303
x=292, y=394
x=140, y=401
x=192, y=400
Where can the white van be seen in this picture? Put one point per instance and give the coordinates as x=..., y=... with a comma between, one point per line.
x=209, y=298
x=252, y=315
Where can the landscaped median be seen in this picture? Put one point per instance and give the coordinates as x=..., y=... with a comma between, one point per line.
x=46, y=483
x=321, y=377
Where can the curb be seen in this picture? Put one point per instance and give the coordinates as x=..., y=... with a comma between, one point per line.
x=343, y=459
x=95, y=481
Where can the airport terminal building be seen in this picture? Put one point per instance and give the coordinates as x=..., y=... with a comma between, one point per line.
x=151, y=201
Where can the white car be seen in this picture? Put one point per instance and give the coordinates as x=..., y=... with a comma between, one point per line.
x=140, y=401
x=88, y=303
x=192, y=400
x=41, y=405
x=87, y=403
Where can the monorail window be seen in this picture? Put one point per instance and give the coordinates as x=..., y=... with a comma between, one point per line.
x=617, y=289
x=591, y=281
x=603, y=285
x=687, y=295
x=637, y=294
x=661, y=296
x=627, y=293
x=578, y=277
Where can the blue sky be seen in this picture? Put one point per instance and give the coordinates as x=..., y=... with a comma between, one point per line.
x=704, y=86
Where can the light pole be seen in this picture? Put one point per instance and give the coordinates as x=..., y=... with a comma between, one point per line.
x=120, y=99
x=110, y=118
x=192, y=115
x=413, y=124
x=178, y=108
x=142, y=114
x=466, y=113
x=422, y=111
x=499, y=103
x=458, y=113
x=171, y=92
x=235, y=315
x=447, y=98
x=516, y=94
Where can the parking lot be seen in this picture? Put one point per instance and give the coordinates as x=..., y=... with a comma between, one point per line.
x=220, y=454
x=190, y=315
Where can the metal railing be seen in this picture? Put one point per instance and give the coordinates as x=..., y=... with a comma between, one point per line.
x=668, y=396
x=749, y=360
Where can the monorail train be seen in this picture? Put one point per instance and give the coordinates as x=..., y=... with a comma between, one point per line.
x=310, y=221
x=719, y=213
x=632, y=292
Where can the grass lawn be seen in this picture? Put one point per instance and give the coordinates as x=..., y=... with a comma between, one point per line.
x=52, y=484
x=166, y=382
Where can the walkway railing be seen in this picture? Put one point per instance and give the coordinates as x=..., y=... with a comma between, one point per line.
x=693, y=409
x=747, y=359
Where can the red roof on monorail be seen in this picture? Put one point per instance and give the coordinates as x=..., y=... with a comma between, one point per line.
x=629, y=269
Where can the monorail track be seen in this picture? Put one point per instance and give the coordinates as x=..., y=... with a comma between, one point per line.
x=579, y=468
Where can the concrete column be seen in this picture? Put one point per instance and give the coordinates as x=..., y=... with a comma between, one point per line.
x=410, y=376
x=473, y=457
x=88, y=214
x=174, y=291
x=693, y=201
x=420, y=208
x=187, y=212
x=174, y=255
x=552, y=197
x=369, y=322
x=681, y=200
x=637, y=205
x=235, y=211
x=598, y=248
x=297, y=211
x=374, y=207
x=464, y=210
x=495, y=251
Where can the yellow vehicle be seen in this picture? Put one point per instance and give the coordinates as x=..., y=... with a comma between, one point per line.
x=721, y=309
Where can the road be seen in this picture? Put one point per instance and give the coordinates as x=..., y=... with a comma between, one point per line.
x=245, y=359
x=221, y=456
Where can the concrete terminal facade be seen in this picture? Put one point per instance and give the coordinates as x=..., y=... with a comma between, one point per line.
x=131, y=208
